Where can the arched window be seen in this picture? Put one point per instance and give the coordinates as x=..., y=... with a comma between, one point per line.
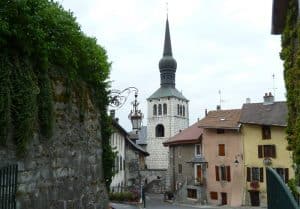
x=160, y=130
x=159, y=109
x=178, y=109
x=154, y=109
x=183, y=110
x=165, y=108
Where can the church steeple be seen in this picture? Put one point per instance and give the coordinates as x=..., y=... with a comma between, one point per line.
x=167, y=63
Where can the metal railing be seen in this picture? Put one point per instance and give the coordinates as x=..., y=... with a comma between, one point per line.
x=279, y=195
x=8, y=186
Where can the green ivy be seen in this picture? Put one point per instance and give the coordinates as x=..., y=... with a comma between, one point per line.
x=38, y=39
x=290, y=54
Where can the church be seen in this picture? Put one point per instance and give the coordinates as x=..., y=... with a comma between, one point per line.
x=168, y=114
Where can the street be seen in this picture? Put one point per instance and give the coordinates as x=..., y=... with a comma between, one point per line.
x=155, y=201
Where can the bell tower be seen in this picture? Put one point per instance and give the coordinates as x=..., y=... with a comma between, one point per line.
x=168, y=110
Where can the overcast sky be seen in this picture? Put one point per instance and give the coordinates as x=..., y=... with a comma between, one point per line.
x=218, y=45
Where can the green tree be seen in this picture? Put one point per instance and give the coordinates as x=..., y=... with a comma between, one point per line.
x=38, y=39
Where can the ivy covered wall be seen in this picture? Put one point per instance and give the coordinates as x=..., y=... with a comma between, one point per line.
x=290, y=54
x=39, y=40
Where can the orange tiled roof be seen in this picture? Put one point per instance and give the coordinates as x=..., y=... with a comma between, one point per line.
x=189, y=135
x=223, y=119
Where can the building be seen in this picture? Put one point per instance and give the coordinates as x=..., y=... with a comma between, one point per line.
x=187, y=165
x=130, y=159
x=223, y=150
x=265, y=144
x=134, y=163
x=168, y=111
x=117, y=141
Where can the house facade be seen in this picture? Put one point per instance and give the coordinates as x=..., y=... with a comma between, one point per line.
x=223, y=150
x=117, y=142
x=265, y=144
x=187, y=166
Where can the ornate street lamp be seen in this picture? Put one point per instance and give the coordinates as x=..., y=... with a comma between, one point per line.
x=135, y=115
x=118, y=99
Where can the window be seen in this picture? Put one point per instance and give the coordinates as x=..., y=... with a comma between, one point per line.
x=223, y=173
x=198, y=148
x=283, y=173
x=266, y=132
x=159, y=131
x=121, y=163
x=221, y=149
x=220, y=131
x=179, y=168
x=155, y=109
x=255, y=174
x=165, y=110
x=214, y=195
x=159, y=109
x=179, y=151
x=266, y=151
x=178, y=109
x=192, y=193
x=183, y=111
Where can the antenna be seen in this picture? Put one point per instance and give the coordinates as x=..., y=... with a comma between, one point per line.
x=274, y=88
x=220, y=97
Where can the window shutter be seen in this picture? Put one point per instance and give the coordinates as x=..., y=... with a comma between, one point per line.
x=228, y=173
x=217, y=173
x=286, y=173
x=260, y=149
x=248, y=174
x=261, y=174
x=221, y=149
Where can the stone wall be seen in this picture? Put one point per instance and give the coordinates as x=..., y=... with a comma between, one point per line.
x=64, y=172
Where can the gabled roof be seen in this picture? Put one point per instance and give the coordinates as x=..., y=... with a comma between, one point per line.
x=189, y=135
x=272, y=114
x=221, y=119
x=279, y=12
x=137, y=147
x=167, y=92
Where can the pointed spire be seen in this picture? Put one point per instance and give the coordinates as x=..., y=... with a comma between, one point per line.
x=167, y=44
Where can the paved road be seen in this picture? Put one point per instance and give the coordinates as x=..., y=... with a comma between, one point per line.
x=154, y=201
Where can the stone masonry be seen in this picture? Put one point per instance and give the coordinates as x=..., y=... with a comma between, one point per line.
x=64, y=172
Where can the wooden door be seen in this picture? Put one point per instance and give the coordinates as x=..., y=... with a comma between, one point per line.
x=199, y=173
x=224, y=198
x=254, y=198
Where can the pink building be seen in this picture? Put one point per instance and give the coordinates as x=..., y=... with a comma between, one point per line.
x=223, y=150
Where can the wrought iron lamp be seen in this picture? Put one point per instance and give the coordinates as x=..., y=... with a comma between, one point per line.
x=119, y=97
x=135, y=115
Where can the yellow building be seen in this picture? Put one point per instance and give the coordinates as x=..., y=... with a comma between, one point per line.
x=264, y=141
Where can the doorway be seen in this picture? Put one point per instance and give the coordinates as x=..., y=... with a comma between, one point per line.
x=254, y=198
x=224, y=198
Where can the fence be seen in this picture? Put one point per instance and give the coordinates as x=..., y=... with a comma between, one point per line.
x=8, y=186
x=279, y=195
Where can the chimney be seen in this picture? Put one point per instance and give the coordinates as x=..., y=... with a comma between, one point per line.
x=268, y=99
x=218, y=107
x=205, y=112
x=248, y=100
x=113, y=114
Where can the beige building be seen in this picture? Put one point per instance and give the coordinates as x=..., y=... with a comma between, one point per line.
x=223, y=150
x=265, y=144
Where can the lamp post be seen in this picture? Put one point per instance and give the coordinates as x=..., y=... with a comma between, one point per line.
x=135, y=115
